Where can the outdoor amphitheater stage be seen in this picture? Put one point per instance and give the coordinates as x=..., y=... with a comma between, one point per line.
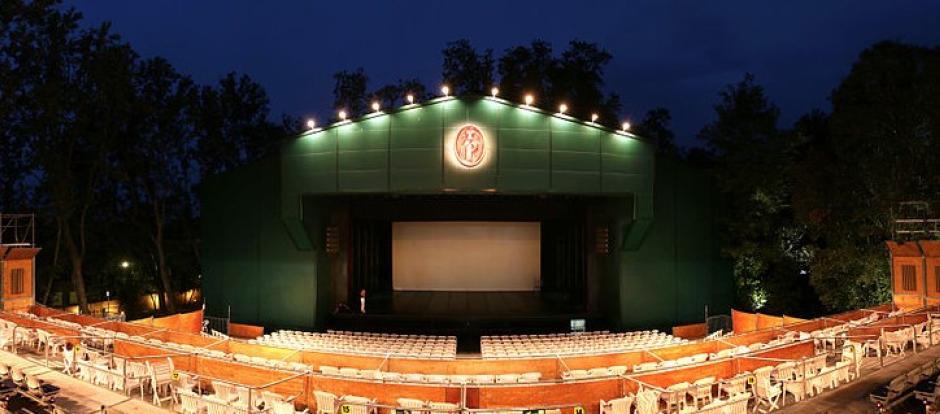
x=550, y=219
x=466, y=314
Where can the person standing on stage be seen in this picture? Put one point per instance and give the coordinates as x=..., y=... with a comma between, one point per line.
x=362, y=301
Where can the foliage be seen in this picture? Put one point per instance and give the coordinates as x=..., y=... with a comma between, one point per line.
x=748, y=156
x=231, y=124
x=576, y=78
x=878, y=147
x=655, y=127
x=350, y=92
x=465, y=71
x=109, y=148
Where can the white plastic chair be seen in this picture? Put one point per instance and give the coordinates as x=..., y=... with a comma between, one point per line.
x=325, y=402
x=620, y=405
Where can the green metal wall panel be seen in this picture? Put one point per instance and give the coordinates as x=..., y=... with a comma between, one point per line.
x=249, y=262
x=416, y=150
x=363, y=155
x=678, y=270
x=575, y=158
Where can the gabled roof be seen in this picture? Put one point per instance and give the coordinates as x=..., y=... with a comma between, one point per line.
x=444, y=99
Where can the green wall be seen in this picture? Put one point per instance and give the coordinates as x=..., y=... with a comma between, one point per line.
x=409, y=151
x=263, y=245
x=677, y=270
x=248, y=260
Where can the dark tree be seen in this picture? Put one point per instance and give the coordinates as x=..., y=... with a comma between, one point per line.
x=575, y=78
x=750, y=158
x=414, y=87
x=157, y=162
x=879, y=146
x=527, y=70
x=655, y=126
x=465, y=71
x=81, y=111
x=231, y=124
x=393, y=95
x=579, y=81
x=349, y=92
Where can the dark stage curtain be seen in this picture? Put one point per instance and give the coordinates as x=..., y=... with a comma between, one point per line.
x=370, y=259
x=564, y=260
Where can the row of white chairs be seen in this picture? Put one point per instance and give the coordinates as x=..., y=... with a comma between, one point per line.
x=419, y=346
x=64, y=324
x=525, y=346
x=193, y=403
x=600, y=372
x=389, y=376
x=381, y=334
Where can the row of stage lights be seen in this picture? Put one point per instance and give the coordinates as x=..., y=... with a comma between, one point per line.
x=445, y=90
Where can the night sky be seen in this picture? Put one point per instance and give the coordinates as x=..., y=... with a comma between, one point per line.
x=676, y=54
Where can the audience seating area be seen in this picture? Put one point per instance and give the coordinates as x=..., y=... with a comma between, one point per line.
x=758, y=377
x=415, y=346
x=600, y=342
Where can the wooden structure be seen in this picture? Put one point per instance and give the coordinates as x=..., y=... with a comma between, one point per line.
x=17, y=261
x=915, y=273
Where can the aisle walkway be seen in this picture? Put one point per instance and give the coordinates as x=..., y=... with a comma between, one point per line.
x=79, y=397
x=853, y=397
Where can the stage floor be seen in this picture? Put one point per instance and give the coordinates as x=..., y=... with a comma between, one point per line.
x=467, y=315
x=468, y=305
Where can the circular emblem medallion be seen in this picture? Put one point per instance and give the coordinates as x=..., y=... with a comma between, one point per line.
x=468, y=147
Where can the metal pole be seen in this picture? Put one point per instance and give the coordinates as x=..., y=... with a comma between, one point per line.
x=881, y=359
x=463, y=396
x=124, y=374
x=930, y=329
x=855, y=357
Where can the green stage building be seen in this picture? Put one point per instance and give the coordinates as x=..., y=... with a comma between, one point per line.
x=463, y=214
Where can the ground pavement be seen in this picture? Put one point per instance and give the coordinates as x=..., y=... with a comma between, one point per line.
x=852, y=398
x=79, y=397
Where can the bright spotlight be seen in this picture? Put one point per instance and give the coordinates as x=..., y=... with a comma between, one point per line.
x=311, y=124
x=494, y=91
x=562, y=108
x=342, y=115
x=445, y=90
x=410, y=98
x=529, y=99
x=125, y=264
x=594, y=117
x=626, y=126
x=375, y=106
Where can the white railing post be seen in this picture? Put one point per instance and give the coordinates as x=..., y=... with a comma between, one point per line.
x=881, y=345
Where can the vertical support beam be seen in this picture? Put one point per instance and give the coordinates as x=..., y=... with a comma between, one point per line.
x=923, y=269
x=891, y=275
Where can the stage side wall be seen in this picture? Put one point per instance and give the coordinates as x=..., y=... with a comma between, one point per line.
x=248, y=258
x=677, y=270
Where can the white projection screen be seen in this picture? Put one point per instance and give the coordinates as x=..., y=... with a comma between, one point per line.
x=466, y=256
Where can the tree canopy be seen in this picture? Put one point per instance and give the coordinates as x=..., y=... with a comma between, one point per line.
x=109, y=148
